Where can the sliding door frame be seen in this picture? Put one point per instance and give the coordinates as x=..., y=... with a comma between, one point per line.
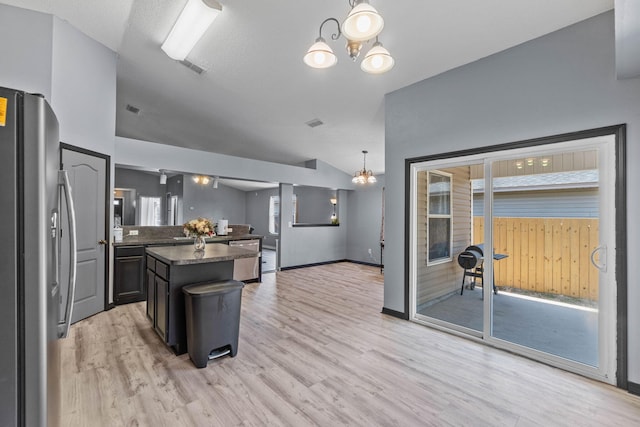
x=619, y=132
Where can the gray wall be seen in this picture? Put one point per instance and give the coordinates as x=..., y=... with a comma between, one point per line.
x=212, y=203
x=146, y=184
x=77, y=75
x=83, y=93
x=150, y=155
x=579, y=203
x=314, y=206
x=257, y=213
x=365, y=221
x=26, y=59
x=562, y=82
x=308, y=245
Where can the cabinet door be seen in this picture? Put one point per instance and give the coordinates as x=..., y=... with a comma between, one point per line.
x=162, y=306
x=151, y=296
x=129, y=279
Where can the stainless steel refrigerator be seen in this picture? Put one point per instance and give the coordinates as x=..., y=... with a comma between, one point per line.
x=33, y=317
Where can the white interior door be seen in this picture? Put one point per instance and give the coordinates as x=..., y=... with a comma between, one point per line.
x=87, y=175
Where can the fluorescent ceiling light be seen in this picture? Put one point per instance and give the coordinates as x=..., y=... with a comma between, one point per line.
x=193, y=21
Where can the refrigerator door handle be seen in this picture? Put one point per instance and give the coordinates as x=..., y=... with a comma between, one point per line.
x=63, y=181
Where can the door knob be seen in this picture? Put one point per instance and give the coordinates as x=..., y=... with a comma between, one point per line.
x=102, y=242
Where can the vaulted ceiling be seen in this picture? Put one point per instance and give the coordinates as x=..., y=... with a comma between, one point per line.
x=256, y=94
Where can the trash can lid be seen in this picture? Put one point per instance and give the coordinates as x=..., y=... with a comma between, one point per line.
x=204, y=289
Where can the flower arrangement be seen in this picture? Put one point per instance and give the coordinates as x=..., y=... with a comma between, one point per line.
x=199, y=227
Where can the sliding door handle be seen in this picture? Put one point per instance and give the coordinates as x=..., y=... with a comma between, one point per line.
x=602, y=250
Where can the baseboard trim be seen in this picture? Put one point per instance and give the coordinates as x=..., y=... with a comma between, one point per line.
x=315, y=264
x=371, y=264
x=633, y=388
x=294, y=267
x=395, y=313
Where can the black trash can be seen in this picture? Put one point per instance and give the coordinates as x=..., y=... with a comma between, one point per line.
x=212, y=313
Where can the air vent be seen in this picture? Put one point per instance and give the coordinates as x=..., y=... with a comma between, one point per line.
x=314, y=123
x=193, y=67
x=135, y=110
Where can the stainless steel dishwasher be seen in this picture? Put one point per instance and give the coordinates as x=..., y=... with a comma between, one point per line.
x=246, y=268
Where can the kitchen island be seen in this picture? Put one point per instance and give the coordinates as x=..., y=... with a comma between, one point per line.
x=169, y=268
x=129, y=284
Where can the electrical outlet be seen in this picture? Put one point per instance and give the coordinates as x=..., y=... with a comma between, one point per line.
x=133, y=232
x=370, y=251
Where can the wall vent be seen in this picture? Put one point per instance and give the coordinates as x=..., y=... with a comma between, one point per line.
x=314, y=123
x=193, y=67
x=130, y=108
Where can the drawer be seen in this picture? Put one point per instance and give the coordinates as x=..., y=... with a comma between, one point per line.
x=127, y=251
x=151, y=263
x=162, y=270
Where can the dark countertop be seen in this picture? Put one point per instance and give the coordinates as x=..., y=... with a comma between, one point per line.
x=185, y=255
x=135, y=241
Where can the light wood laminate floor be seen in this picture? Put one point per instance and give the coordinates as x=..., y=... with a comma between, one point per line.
x=315, y=350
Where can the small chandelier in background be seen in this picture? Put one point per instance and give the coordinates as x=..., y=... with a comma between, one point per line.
x=364, y=176
x=201, y=179
x=363, y=24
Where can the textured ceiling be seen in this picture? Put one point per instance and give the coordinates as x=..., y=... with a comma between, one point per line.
x=257, y=94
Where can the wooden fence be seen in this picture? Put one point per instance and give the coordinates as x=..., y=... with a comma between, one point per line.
x=551, y=255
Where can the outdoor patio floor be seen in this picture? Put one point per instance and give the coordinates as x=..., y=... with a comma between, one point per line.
x=564, y=330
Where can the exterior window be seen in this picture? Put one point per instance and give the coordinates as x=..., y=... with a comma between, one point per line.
x=439, y=217
x=274, y=213
x=150, y=210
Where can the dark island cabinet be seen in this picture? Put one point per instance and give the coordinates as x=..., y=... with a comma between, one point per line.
x=151, y=295
x=165, y=299
x=158, y=296
x=129, y=271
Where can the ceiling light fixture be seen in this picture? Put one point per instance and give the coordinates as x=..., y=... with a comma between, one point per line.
x=191, y=25
x=163, y=178
x=201, y=179
x=364, y=176
x=363, y=24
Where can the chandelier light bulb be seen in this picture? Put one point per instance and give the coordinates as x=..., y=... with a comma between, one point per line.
x=378, y=60
x=320, y=55
x=363, y=22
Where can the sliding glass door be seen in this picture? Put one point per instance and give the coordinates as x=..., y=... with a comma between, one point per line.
x=516, y=248
x=444, y=212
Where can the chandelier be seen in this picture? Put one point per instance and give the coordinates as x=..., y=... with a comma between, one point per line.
x=362, y=24
x=364, y=176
